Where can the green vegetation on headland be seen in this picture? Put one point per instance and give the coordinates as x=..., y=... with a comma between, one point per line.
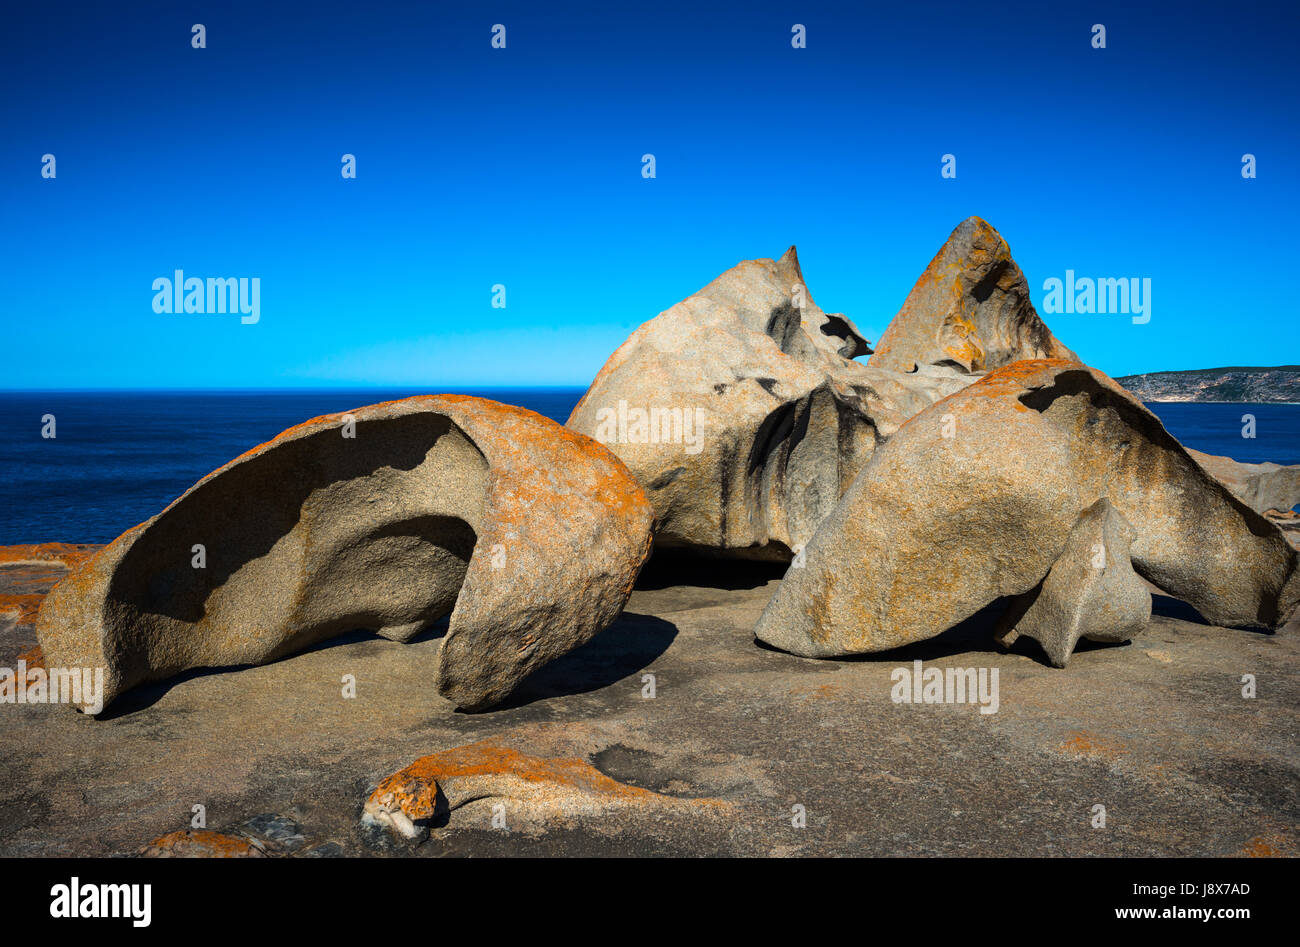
x=1235, y=383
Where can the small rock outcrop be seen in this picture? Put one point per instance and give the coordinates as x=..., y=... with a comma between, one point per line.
x=1090, y=592
x=1261, y=487
x=200, y=843
x=384, y=519
x=46, y=555
x=26, y=573
x=970, y=309
x=975, y=499
x=536, y=789
x=742, y=412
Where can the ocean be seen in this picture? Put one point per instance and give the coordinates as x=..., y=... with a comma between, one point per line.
x=120, y=457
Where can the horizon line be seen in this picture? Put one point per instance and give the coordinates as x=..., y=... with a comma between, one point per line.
x=434, y=389
x=305, y=388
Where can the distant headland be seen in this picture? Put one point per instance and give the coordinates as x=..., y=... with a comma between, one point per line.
x=1281, y=383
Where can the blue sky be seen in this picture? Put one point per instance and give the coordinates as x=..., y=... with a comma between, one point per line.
x=522, y=166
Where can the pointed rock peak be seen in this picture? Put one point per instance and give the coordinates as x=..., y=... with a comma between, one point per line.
x=976, y=225
x=970, y=310
x=790, y=261
x=974, y=236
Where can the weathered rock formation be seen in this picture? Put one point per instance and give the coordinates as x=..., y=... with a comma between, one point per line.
x=1090, y=592
x=970, y=310
x=742, y=411
x=529, y=535
x=535, y=790
x=743, y=414
x=1261, y=487
x=975, y=499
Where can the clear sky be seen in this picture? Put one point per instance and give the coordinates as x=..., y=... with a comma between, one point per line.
x=522, y=166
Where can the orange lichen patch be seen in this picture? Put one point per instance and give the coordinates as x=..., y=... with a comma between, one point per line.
x=1088, y=744
x=68, y=555
x=1027, y=373
x=821, y=692
x=1008, y=382
x=1259, y=847
x=23, y=606
x=485, y=759
x=553, y=786
x=819, y=608
x=967, y=352
x=944, y=316
x=1160, y=774
x=33, y=656
x=201, y=843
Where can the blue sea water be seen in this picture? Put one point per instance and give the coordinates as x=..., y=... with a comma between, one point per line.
x=1221, y=429
x=120, y=457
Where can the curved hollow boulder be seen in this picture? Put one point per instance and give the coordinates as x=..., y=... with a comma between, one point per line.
x=975, y=498
x=742, y=412
x=384, y=519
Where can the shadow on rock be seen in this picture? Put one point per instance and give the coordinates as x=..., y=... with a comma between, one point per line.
x=146, y=695
x=975, y=635
x=667, y=569
x=629, y=645
x=1169, y=607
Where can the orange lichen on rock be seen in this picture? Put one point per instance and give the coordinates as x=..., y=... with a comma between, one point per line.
x=33, y=656
x=970, y=308
x=68, y=555
x=200, y=843
x=1026, y=373
x=1088, y=744
x=821, y=692
x=1259, y=847
x=1009, y=382
x=23, y=606
x=536, y=788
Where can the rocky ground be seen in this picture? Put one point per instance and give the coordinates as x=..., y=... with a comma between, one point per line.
x=735, y=738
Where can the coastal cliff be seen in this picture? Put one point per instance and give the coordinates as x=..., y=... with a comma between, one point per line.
x=1280, y=384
